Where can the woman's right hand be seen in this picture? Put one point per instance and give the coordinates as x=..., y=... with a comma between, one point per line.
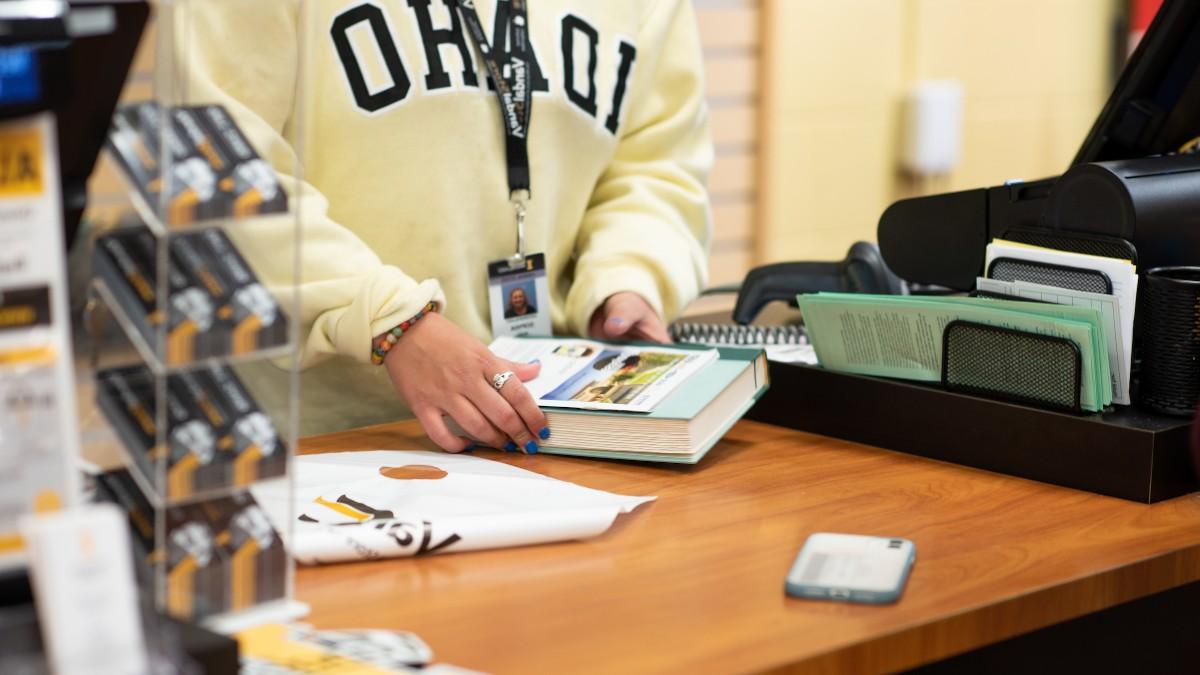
x=441, y=370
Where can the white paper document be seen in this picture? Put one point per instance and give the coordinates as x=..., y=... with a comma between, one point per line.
x=1122, y=274
x=1120, y=343
x=596, y=376
x=792, y=354
x=384, y=504
x=82, y=575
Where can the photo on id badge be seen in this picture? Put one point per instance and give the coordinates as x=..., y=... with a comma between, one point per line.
x=519, y=297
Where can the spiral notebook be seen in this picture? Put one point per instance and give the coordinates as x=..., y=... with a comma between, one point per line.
x=730, y=334
x=787, y=343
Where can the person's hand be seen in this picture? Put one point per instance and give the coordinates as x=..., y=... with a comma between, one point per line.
x=627, y=316
x=441, y=370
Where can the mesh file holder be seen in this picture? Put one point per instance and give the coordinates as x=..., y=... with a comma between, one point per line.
x=1012, y=365
x=1169, y=311
x=1061, y=276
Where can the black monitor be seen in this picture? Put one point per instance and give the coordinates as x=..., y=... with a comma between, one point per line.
x=78, y=54
x=1155, y=107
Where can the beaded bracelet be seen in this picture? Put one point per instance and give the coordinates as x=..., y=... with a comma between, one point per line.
x=381, y=345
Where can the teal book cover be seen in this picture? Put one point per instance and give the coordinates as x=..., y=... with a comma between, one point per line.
x=685, y=404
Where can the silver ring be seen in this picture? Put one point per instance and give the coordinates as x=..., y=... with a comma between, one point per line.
x=499, y=379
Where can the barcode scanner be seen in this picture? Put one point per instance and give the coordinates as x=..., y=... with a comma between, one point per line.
x=863, y=271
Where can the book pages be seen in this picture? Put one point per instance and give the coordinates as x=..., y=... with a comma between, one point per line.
x=598, y=376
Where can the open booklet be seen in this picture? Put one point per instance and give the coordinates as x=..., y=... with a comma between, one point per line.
x=595, y=376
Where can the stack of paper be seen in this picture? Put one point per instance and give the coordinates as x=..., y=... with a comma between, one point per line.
x=901, y=336
x=1116, y=308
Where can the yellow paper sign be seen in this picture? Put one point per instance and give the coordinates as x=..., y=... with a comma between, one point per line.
x=21, y=167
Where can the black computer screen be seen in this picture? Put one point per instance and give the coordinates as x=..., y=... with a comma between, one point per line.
x=1155, y=107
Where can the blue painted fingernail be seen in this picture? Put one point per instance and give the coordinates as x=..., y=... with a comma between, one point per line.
x=544, y=433
x=531, y=447
x=535, y=362
x=617, y=321
x=511, y=447
x=470, y=447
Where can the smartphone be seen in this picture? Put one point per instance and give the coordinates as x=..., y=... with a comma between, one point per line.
x=851, y=568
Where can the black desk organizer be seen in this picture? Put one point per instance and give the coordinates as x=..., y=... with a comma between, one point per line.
x=1128, y=453
x=986, y=416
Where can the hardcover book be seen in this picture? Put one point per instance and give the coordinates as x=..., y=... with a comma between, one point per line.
x=704, y=399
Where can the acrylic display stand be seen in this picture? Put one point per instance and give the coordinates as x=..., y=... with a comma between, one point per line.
x=181, y=385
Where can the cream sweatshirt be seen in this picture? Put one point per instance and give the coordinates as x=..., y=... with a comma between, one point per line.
x=404, y=192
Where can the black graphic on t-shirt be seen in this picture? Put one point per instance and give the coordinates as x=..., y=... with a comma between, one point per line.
x=571, y=25
x=340, y=31
x=628, y=55
x=432, y=39
x=574, y=32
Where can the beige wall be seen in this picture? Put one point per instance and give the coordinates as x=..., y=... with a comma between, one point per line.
x=1034, y=73
x=730, y=33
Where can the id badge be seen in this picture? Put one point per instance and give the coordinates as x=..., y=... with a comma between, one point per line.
x=519, y=297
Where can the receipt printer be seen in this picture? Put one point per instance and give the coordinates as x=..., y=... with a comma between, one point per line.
x=1133, y=191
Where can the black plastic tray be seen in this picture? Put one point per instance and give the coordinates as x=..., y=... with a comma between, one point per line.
x=1131, y=454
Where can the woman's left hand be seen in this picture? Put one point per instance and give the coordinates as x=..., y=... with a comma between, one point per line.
x=627, y=316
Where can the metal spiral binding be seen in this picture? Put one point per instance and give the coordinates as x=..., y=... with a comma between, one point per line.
x=733, y=334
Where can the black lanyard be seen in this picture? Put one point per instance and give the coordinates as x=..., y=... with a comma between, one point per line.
x=513, y=88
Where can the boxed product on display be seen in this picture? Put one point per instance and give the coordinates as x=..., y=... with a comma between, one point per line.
x=214, y=171
x=119, y=488
x=253, y=318
x=221, y=555
x=255, y=551
x=216, y=305
x=217, y=438
x=197, y=566
x=250, y=181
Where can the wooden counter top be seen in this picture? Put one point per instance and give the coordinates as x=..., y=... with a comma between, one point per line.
x=693, y=582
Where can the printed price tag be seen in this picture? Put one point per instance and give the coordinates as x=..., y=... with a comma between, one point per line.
x=21, y=168
x=38, y=423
